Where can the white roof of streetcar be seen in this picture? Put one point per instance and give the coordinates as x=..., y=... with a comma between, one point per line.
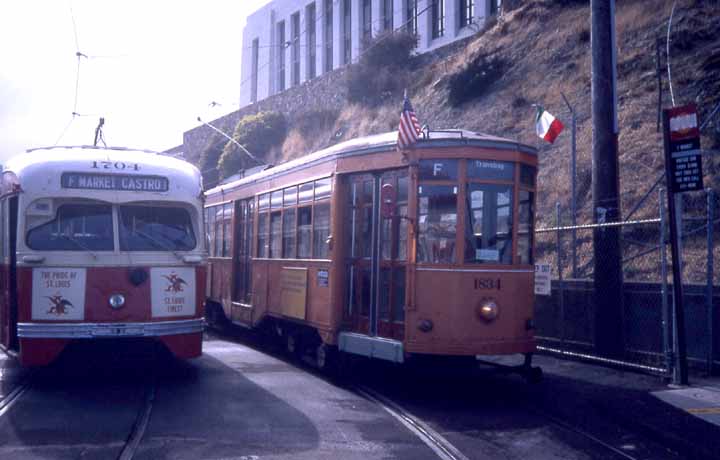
x=39, y=172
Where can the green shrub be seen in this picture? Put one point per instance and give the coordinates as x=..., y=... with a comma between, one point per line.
x=474, y=79
x=209, y=160
x=258, y=133
x=383, y=69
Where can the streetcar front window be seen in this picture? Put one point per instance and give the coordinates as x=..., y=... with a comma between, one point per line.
x=488, y=234
x=155, y=228
x=437, y=221
x=75, y=227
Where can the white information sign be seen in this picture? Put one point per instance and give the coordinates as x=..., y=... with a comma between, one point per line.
x=542, y=279
x=173, y=291
x=58, y=294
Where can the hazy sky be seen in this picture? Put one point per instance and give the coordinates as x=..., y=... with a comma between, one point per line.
x=153, y=66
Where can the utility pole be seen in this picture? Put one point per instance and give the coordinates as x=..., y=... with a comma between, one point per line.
x=608, y=277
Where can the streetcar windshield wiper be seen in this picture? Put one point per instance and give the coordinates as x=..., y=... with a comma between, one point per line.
x=158, y=243
x=79, y=244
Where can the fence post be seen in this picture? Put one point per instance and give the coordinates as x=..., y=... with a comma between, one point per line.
x=561, y=288
x=709, y=293
x=666, y=325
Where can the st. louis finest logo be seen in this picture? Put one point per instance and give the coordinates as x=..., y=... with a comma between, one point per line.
x=58, y=305
x=175, y=283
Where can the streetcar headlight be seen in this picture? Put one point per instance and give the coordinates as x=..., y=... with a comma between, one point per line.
x=487, y=310
x=117, y=301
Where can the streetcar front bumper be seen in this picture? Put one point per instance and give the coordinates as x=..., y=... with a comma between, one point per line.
x=108, y=330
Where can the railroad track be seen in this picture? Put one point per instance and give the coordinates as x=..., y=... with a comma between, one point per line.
x=11, y=398
x=445, y=450
x=137, y=431
x=141, y=422
x=434, y=440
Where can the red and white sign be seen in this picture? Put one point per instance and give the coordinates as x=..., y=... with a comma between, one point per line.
x=683, y=123
x=173, y=291
x=58, y=294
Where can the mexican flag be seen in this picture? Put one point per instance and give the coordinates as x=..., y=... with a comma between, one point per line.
x=547, y=126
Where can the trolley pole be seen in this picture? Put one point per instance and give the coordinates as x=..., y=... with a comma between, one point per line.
x=608, y=277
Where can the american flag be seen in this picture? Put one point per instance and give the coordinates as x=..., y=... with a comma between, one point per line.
x=409, y=129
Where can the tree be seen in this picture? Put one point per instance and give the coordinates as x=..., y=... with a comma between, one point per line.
x=258, y=133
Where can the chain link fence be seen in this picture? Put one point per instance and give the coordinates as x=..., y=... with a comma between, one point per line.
x=567, y=318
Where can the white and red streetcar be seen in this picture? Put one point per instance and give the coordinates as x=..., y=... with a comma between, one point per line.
x=100, y=243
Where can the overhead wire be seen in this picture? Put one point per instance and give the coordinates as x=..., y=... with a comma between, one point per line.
x=79, y=56
x=669, y=28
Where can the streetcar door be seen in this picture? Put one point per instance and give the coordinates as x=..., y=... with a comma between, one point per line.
x=242, y=259
x=377, y=255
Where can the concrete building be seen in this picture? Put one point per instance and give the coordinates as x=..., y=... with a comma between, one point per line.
x=288, y=42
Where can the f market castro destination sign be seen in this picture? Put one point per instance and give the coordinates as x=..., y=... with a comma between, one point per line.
x=123, y=182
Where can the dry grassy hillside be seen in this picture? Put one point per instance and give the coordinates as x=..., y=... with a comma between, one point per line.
x=544, y=48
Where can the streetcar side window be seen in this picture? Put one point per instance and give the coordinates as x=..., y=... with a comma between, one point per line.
x=437, y=222
x=488, y=231
x=321, y=231
x=275, y=235
x=526, y=212
x=210, y=222
x=527, y=175
x=155, y=228
x=304, y=232
x=76, y=227
x=227, y=229
x=262, y=246
x=288, y=242
x=218, y=230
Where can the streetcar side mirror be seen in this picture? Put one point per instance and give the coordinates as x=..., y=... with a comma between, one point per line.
x=388, y=200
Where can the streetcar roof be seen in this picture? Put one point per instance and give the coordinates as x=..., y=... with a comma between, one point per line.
x=382, y=143
x=40, y=169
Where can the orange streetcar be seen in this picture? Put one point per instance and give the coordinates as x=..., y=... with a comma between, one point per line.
x=361, y=249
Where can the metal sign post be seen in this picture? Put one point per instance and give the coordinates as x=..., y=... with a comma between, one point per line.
x=683, y=173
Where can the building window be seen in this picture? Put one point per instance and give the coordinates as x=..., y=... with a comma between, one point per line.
x=311, y=40
x=366, y=23
x=295, y=49
x=328, y=35
x=411, y=16
x=281, y=55
x=467, y=11
x=347, y=32
x=388, y=15
x=438, y=18
x=255, y=68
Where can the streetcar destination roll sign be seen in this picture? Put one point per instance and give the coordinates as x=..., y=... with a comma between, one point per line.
x=125, y=182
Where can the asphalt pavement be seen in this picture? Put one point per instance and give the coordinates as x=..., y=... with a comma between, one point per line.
x=683, y=419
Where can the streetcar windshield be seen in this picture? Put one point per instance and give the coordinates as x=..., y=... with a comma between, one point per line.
x=488, y=235
x=469, y=211
x=437, y=220
x=75, y=227
x=155, y=228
